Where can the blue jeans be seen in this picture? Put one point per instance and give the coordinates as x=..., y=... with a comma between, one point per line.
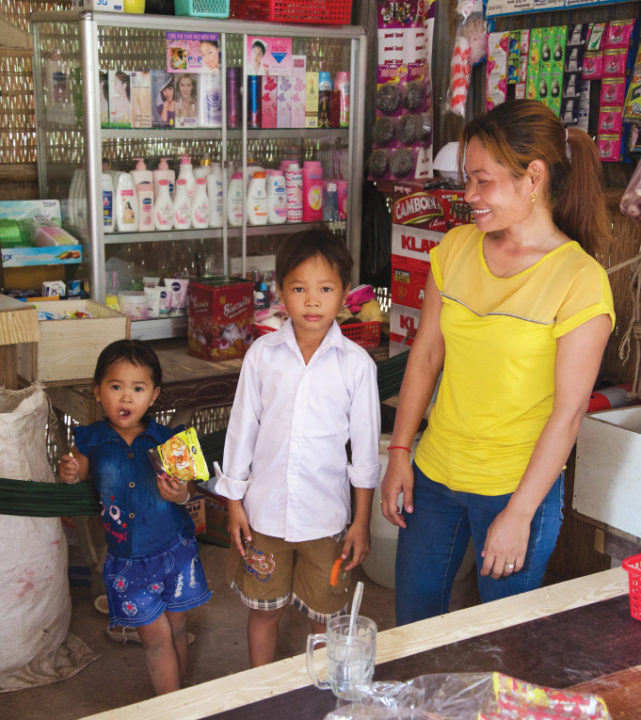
x=430, y=550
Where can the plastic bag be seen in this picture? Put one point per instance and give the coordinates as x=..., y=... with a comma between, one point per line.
x=631, y=198
x=470, y=47
x=180, y=457
x=470, y=696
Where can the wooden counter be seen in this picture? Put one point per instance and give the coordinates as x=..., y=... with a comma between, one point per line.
x=283, y=688
x=18, y=325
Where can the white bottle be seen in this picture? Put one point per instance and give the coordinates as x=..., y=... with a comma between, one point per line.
x=181, y=211
x=257, y=200
x=145, y=195
x=140, y=174
x=276, y=197
x=186, y=172
x=107, y=202
x=126, y=213
x=164, y=172
x=235, y=197
x=204, y=168
x=215, y=195
x=200, y=206
x=163, y=207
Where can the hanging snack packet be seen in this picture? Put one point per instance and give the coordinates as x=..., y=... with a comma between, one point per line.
x=181, y=457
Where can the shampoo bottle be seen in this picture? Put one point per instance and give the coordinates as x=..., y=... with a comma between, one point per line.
x=276, y=197
x=163, y=207
x=163, y=172
x=294, y=188
x=235, y=196
x=107, y=202
x=215, y=196
x=126, y=204
x=186, y=173
x=257, y=199
x=342, y=85
x=204, y=168
x=182, y=206
x=200, y=206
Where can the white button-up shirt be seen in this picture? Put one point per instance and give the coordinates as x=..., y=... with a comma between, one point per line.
x=285, y=448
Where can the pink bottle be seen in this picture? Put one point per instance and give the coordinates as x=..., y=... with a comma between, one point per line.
x=294, y=191
x=312, y=191
x=342, y=199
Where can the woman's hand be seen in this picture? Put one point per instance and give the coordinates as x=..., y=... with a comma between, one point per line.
x=506, y=543
x=238, y=525
x=171, y=489
x=399, y=478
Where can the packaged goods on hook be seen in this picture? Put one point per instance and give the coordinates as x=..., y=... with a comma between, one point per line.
x=402, y=133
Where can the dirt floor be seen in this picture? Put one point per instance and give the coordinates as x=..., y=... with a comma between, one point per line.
x=118, y=677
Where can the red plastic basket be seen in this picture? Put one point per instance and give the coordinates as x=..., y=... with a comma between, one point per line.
x=633, y=566
x=307, y=12
x=367, y=334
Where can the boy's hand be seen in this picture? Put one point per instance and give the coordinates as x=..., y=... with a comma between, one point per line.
x=237, y=523
x=357, y=542
x=171, y=489
x=68, y=469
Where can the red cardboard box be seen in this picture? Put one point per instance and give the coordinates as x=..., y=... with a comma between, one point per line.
x=221, y=316
x=408, y=281
x=403, y=323
x=436, y=210
x=414, y=243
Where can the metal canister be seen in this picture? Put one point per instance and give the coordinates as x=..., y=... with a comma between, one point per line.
x=253, y=101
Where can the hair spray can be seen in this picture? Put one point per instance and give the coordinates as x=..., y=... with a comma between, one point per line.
x=233, y=97
x=253, y=101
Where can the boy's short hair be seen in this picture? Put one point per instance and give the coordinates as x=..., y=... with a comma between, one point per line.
x=302, y=246
x=134, y=351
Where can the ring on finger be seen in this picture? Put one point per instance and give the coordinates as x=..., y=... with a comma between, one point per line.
x=509, y=566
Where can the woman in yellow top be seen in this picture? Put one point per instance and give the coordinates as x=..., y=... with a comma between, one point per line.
x=516, y=315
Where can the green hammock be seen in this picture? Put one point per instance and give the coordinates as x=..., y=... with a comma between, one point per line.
x=38, y=499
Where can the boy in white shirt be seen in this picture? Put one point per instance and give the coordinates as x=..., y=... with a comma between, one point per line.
x=304, y=392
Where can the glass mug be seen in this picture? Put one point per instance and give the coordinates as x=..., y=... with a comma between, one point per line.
x=350, y=658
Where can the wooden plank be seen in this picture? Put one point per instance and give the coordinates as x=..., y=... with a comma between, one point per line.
x=250, y=686
x=18, y=322
x=15, y=38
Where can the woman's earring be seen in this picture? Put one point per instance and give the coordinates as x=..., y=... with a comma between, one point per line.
x=533, y=197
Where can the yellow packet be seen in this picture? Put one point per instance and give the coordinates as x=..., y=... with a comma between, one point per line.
x=181, y=457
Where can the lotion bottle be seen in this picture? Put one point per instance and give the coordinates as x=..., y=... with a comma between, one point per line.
x=215, y=195
x=181, y=212
x=164, y=172
x=126, y=204
x=186, y=172
x=200, y=206
x=140, y=174
x=235, y=197
x=107, y=202
x=164, y=207
x=276, y=197
x=257, y=199
x=145, y=195
x=204, y=168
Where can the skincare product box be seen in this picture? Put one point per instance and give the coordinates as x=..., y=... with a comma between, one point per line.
x=268, y=102
x=298, y=79
x=119, y=99
x=141, y=99
x=311, y=99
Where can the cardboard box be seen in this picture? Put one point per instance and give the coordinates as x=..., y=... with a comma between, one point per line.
x=403, y=324
x=221, y=317
x=196, y=509
x=68, y=349
x=408, y=281
x=608, y=467
x=414, y=243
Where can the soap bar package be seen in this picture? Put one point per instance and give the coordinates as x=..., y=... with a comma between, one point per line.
x=221, y=317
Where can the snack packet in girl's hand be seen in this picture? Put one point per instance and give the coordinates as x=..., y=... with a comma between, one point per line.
x=181, y=457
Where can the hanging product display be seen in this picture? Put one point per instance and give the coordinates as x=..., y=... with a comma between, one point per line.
x=557, y=66
x=470, y=48
x=402, y=133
